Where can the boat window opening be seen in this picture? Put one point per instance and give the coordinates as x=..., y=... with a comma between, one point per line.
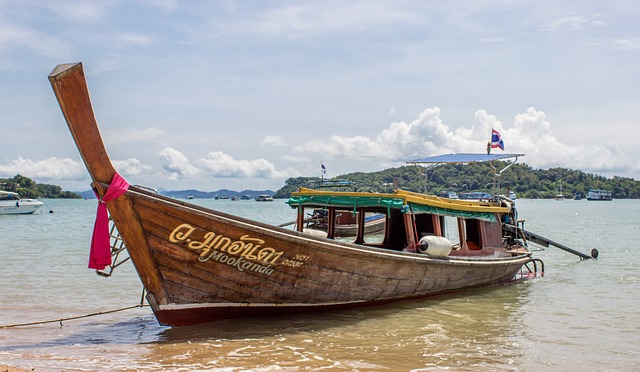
x=472, y=234
x=314, y=221
x=9, y=197
x=396, y=232
x=427, y=224
x=450, y=229
x=374, y=227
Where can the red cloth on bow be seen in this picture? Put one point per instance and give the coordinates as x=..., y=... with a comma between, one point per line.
x=100, y=255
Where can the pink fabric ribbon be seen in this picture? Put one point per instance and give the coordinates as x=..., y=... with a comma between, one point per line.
x=100, y=255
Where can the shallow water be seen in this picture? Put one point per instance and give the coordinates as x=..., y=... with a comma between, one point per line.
x=582, y=315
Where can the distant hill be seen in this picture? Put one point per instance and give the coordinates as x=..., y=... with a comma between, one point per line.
x=28, y=188
x=525, y=181
x=197, y=194
x=223, y=193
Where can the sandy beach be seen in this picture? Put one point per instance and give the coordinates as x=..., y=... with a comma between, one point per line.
x=4, y=368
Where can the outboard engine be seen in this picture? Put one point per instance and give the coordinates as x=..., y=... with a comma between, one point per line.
x=435, y=245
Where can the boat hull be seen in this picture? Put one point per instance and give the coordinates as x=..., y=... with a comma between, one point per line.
x=24, y=207
x=215, y=266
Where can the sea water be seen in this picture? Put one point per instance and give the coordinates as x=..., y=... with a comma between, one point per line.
x=582, y=315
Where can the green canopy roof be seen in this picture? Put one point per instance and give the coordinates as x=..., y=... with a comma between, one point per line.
x=406, y=203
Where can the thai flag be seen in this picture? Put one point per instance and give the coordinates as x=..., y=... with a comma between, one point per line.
x=496, y=140
x=324, y=169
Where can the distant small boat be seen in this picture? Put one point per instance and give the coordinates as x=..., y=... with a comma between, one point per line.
x=189, y=197
x=559, y=195
x=11, y=203
x=594, y=194
x=475, y=195
x=264, y=198
x=511, y=195
x=245, y=197
x=448, y=194
x=577, y=196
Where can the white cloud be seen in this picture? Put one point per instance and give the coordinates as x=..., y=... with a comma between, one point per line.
x=301, y=20
x=45, y=170
x=88, y=12
x=573, y=23
x=130, y=167
x=273, y=141
x=626, y=44
x=428, y=135
x=17, y=37
x=532, y=134
x=400, y=142
x=296, y=159
x=219, y=164
x=176, y=163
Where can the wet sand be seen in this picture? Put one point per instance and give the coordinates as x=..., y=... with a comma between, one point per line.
x=4, y=368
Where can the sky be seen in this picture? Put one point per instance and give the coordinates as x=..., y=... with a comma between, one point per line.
x=245, y=94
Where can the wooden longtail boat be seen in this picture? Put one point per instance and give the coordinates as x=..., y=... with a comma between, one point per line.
x=199, y=265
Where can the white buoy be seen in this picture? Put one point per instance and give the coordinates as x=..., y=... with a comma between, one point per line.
x=435, y=245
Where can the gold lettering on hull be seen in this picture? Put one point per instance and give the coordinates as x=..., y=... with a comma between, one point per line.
x=245, y=254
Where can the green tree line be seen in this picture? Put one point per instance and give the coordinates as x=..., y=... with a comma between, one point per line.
x=28, y=188
x=525, y=181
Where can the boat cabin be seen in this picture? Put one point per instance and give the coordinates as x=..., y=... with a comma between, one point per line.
x=8, y=195
x=413, y=222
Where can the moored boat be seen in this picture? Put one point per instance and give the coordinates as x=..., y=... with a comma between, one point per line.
x=11, y=203
x=200, y=265
x=264, y=198
x=475, y=195
x=449, y=194
x=559, y=195
x=599, y=195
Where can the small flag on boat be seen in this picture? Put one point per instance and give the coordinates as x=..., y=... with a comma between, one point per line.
x=324, y=169
x=496, y=140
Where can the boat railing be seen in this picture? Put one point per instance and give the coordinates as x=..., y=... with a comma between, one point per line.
x=533, y=268
x=117, y=248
